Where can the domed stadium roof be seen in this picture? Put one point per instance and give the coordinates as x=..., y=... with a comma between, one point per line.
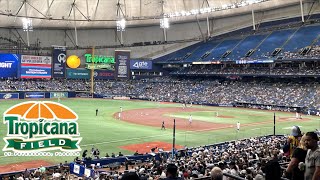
x=105, y=13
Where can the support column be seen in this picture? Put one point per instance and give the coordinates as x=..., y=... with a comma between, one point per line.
x=26, y=13
x=75, y=24
x=253, y=21
x=302, y=13
x=208, y=27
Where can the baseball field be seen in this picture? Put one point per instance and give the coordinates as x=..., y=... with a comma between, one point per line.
x=139, y=127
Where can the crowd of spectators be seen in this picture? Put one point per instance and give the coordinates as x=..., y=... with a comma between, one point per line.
x=247, y=158
x=200, y=91
x=314, y=53
x=255, y=70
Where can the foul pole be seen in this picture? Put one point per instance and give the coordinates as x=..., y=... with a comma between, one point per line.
x=92, y=73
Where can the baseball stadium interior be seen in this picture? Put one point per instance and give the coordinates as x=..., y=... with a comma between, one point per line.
x=191, y=62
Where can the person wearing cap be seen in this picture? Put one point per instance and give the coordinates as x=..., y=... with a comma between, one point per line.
x=294, y=139
x=312, y=161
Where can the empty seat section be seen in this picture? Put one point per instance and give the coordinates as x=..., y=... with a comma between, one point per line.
x=250, y=42
x=302, y=38
x=203, y=48
x=275, y=40
x=217, y=52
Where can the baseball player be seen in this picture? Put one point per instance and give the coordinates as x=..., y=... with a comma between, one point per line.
x=119, y=115
x=163, y=126
x=190, y=119
x=238, y=126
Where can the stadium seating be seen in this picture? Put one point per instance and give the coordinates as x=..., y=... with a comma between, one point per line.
x=275, y=40
x=221, y=48
x=303, y=37
x=250, y=42
x=261, y=44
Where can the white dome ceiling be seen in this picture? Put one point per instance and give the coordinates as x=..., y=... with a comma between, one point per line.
x=96, y=13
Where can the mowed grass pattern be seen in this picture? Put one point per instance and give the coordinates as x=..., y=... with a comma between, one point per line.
x=107, y=134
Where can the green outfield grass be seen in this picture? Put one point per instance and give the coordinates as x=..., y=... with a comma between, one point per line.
x=229, y=115
x=107, y=134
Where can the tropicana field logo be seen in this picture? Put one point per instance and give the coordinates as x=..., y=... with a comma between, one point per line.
x=37, y=126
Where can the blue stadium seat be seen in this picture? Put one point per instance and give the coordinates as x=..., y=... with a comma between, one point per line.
x=205, y=47
x=302, y=38
x=275, y=40
x=224, y=46
x=250, y=42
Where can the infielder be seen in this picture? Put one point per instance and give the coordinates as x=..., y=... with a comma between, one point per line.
x=163, y=126
x=190, y=119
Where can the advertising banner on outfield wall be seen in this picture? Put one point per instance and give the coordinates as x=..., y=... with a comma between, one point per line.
x=59, y=62
x=34, y=95
x=9, y=95
x=103, y=74
x=9, y=65
x=122, y=69
x=78, y=74
x=58, y=95
x=35, y=66
x=141, y=64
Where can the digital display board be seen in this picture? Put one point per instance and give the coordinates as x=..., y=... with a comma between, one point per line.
x=9, y=64
x=35, y=66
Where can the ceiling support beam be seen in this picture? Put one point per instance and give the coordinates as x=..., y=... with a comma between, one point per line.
x=36, y=9
x=203, y=38
x=48, y=14
x=23, y=2
x=26, y=13
x=95, y=11
x=206, y=3
x=75, y=25
x=87, y=5
x=75, y=6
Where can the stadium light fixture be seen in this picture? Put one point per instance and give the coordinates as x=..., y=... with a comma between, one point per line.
x=121, y=25
x=212, y=9
x=27, y=24
x=164, y=23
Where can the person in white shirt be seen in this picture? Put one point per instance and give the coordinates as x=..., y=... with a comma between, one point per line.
x=238, y=126
x=190, y=119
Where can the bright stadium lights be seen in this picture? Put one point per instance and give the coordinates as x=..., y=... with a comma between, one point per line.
x=27, y=24
x=121, y=25
x=164, y=23
x=212, y=9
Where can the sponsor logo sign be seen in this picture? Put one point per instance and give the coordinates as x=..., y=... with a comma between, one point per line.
x=140, y=64
x=9, y=64
x=37, y=126
x=9, y=95
x=59, y=62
